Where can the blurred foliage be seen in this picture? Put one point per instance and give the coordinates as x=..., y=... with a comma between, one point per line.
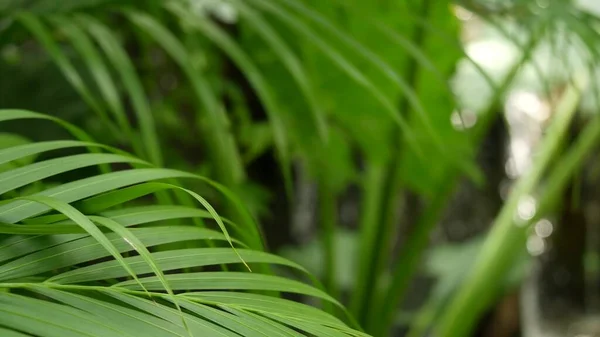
x=367, y=96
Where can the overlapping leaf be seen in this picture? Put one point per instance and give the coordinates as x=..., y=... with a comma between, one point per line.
x=104, y=268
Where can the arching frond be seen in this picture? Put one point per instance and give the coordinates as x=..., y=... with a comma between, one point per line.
x=75, y=260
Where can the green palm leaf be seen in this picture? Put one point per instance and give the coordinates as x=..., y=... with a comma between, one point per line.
x=73, y=262
x=225, y=156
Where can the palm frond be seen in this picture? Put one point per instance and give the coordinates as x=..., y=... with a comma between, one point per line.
x=41, y=32
x=225, y=155
x=73, y=262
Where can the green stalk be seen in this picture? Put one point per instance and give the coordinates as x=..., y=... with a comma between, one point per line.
x=560, y=176
x=371, y=208
x=377, y=234
x=381, y=318
x=328, y=222
x=382, y=315
x=382, y=237
x=506, y=240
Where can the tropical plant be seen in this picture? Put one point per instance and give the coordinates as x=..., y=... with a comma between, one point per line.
x=57, y=280
x=355, y=93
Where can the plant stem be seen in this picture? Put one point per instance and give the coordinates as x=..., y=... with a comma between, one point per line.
x=560, y=176
x=377, y=231
x=373, y=187
x=328, y=222
x=381, y=318
x=506, y=240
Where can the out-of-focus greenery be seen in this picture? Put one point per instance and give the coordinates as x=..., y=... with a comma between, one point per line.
x=222, y=102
